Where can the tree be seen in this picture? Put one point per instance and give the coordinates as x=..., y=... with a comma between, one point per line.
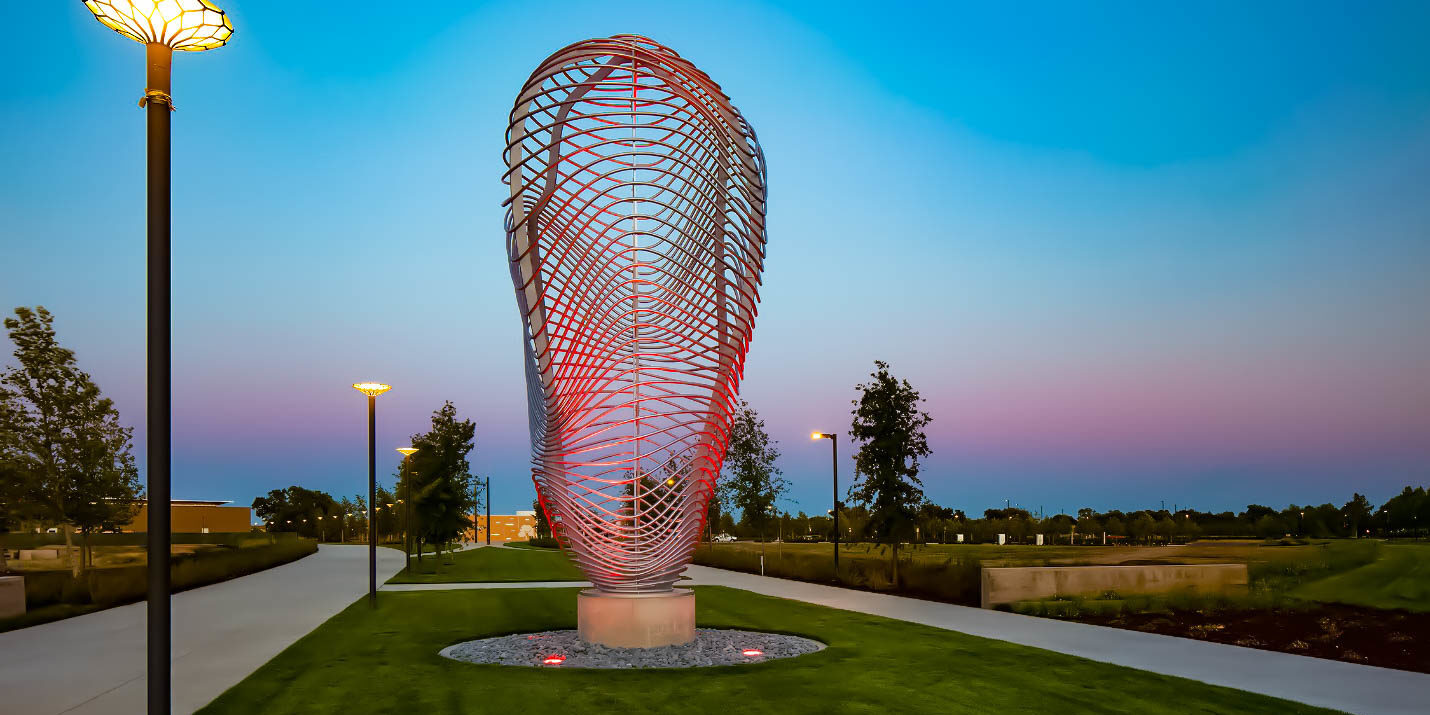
x=543, y=527
x=442, y=488
x=1357, y=511
x=76, y=469
x=751, y=481
x=297, y=510
x=14, y=467
x=889, y=427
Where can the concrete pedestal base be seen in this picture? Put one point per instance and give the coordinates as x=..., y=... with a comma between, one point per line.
x=12, y=596
x=636, y=620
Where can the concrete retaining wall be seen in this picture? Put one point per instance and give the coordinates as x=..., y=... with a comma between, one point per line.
x=1009, y=585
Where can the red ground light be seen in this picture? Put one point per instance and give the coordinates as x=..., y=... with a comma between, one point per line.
x=554, y=660
x=752, y=652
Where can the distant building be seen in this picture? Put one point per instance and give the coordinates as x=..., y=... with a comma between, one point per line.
x=197, y=516
x=520, y=526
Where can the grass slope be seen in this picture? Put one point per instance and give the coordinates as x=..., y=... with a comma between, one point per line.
x=491, y=565
x=1398, y=578
x=385, y=660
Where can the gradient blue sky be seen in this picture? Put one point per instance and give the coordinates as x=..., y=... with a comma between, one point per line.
x=1130, y=252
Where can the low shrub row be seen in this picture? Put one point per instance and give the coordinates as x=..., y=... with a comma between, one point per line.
x=113, y=586
x=955, y=579
x=15, y=541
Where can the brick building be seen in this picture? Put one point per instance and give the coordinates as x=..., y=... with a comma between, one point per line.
x=197, y=516
x=520, y=526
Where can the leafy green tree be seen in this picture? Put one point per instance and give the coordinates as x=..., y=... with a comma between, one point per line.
x=750, y=480
x=443, y=490
x=543, y=527
x=889, y=427
x=727, y=523
x=15, y=469
x=296, y=509
x=1357, y=511
x=71, y=457
x=1270, y=527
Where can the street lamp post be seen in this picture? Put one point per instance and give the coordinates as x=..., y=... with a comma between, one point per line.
x=488, y=500
x=190, y=26
x=407, y=453
x=372, y=390
x=834, y=453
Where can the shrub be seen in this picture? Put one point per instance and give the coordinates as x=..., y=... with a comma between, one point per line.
x=113, y=586
x=545, y=542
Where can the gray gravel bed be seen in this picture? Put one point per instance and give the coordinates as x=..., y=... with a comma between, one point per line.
x=565, y=649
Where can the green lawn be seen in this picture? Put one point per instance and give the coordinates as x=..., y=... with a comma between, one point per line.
x=385, y=660
x=493, y=564
x=1398, y=578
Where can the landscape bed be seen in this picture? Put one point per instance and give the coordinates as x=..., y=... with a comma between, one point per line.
x=871, y=664
x=1369, y=636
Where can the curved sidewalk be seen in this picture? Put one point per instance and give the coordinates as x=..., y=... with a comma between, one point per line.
x=95, y=663
x=1362, y=689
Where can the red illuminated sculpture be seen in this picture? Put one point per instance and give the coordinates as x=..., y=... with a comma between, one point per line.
x=636, y=235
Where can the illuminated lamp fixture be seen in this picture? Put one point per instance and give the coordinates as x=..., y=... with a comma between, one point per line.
x=553, y=660
x=162, y=26
x=372, y=390
x=636, y=241
x=752, y=652
x=834, y=512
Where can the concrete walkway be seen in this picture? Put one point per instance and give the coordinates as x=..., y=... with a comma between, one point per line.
x=1353, y=688
x=95, y=663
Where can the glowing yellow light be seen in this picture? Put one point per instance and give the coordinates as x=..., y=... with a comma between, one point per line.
x=371, y=389
x=188, y=25
x=815, y=435
x=670, y=482
x=407, y=451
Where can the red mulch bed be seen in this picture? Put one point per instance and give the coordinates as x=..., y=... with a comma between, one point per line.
x=1370, y=636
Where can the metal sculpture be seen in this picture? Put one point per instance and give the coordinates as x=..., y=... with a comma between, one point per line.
x=636, y=235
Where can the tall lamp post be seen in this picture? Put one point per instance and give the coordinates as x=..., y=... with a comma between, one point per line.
x=372, y=390
x=834, y=445
x=188, y=26
x=407, y=453
x=488, y=500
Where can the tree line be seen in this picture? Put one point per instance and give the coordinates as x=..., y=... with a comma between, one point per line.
x=431, y=502
x=885, y=502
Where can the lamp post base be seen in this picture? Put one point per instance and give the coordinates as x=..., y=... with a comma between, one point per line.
x=636, y=620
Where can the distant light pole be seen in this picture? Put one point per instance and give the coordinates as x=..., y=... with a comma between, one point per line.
x=488, y=500
x=372, y=390
x=163, y=27
x=834, y=454
x=407, y=453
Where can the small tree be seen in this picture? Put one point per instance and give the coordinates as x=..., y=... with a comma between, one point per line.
x=751, y=482
x=889, y=427
x=443, y=490
x=543, y=527
x=76, y=469
x=1358, y=511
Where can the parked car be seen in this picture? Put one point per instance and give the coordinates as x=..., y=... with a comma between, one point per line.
x=724, y=538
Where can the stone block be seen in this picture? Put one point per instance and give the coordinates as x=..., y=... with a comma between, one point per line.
x=636, y=620
x=1035, y=583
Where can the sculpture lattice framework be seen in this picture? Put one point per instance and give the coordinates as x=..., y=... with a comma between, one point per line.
x=636, y=235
